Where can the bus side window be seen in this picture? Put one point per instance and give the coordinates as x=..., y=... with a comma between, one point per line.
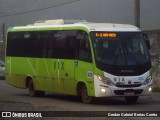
x=42, y=41
x=62, y=44
x=84, y=51
x=19, y=44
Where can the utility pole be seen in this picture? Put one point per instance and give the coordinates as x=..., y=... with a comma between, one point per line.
x=137, y=12
x=3, y=30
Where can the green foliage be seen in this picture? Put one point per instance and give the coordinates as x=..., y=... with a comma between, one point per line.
x=156, y=89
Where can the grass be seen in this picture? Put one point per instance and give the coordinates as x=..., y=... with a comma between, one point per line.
x=156, y=89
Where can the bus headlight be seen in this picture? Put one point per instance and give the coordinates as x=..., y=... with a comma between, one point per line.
x=148, y=80
x=105, y=80
x=103, y=90
x=150, y=89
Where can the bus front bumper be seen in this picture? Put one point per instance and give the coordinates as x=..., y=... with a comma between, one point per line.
x=103, y=90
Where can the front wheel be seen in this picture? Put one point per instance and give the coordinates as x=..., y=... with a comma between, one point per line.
x=84, y=95
x=131, y=99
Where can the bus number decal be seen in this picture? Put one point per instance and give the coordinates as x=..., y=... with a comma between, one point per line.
x=89, y=74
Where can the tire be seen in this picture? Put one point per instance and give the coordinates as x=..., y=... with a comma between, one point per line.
x=32, y=91
x=84, y=95
x=131, y=99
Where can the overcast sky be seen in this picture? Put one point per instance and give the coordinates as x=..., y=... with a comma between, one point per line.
x=117, y=11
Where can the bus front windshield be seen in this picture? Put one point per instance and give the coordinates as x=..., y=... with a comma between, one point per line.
x=120, y=48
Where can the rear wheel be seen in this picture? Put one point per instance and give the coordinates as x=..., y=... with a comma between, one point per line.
x=84, y=95
x=32, y=91
x=131, y=99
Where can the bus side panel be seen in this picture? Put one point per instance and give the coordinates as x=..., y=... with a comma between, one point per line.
x=50, y=75
x=17, y=69
x=8, y=74
x=85, y=72
x=55, y=75
x=67, y=75
x=46, y=75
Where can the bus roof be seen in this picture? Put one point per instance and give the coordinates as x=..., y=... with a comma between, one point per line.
x=60, y=23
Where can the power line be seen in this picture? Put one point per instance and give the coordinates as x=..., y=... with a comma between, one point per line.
x=40, y=9
x=9, y=4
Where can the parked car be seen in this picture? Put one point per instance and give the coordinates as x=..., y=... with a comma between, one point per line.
x=2, y=69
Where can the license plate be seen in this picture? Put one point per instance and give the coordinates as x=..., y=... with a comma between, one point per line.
x=128, y=93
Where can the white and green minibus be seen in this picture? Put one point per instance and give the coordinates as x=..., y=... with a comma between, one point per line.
x=83, y=59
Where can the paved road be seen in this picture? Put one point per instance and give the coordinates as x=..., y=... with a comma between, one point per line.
x=15, y=99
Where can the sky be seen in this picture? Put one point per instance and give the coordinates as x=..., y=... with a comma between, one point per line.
x=22, y=12
x=150, y=16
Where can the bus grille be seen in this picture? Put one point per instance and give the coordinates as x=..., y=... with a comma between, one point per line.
x=121, y=92
x=128, y=86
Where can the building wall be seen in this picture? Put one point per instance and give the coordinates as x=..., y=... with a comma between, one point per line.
x=154, y=38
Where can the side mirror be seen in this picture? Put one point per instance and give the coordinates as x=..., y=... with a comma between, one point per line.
x=146, y=40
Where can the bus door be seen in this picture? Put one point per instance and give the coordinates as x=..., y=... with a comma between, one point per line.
x=83, y=63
